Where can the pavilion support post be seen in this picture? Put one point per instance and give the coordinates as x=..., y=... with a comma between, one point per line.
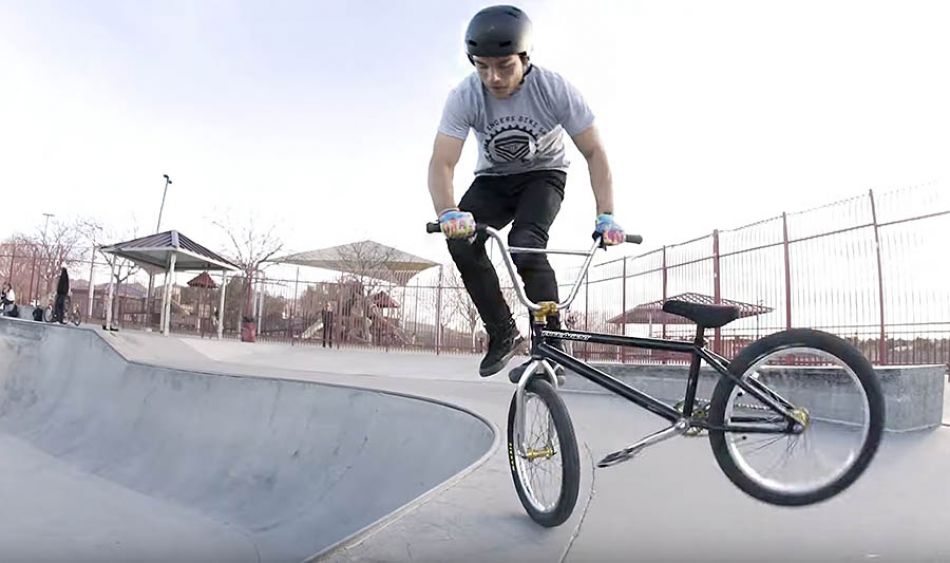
x=224, y=289
x=167, y=298
x=111, y=295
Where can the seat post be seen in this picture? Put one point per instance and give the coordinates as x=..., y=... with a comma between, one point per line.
x=693, y=382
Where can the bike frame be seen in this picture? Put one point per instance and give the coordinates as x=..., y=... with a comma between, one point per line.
x=543, y=353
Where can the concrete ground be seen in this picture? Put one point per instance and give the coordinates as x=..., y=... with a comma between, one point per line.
x=670, y=504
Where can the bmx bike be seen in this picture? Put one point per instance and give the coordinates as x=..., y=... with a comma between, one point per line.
x=794, y=419
x=71, y=313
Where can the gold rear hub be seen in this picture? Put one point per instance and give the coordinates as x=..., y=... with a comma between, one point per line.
x=801, y=415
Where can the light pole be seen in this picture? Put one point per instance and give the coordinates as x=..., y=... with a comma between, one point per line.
x=151, y=276
x=162, y=208
x=46, y=225
x=48, y=256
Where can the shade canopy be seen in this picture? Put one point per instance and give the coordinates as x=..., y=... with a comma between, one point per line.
x=154, y=253
x=364, y=258
x=653, y=313
x=167, y=252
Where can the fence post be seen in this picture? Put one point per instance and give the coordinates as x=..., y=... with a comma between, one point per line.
x=623, y=314
x=293, y=306
x=587, y=312
x=224, y=289
x=92, y=286
x=438, y=315
x=415, y=315
x=261, y=281
x=12, y=262
x=882, y=344
x=664, y=290
x=717, y=296
x=32, y=278
x=788, y=273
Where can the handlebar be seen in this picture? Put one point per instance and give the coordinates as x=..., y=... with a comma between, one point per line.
x=435, y=228
x=508, y=251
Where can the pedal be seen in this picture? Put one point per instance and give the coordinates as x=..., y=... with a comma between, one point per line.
x=678, y=429
x=617, y=457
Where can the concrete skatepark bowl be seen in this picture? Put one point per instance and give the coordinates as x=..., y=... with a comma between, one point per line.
x=260, y=469
x=135, y=447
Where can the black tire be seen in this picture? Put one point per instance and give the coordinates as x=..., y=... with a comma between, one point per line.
x=798, y=338
x=570, y=460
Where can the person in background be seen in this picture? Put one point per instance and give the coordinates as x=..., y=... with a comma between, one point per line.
x=8, y=300
x=62, y=292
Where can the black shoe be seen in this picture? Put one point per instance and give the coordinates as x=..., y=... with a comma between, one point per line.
x=503, y=342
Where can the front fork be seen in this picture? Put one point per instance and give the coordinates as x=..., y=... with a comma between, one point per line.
x=538, y=365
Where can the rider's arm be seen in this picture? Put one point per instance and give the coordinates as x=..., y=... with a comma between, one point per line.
x=588, y=143
x=445, y=155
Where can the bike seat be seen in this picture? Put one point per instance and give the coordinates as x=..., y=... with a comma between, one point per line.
x=708, y=316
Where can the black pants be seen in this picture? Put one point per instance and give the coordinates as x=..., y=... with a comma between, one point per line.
x=59, y=308
x=532, y=200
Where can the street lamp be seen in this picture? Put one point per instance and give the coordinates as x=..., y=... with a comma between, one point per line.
x=46, y=225
x=162, y=208
x=151, y=276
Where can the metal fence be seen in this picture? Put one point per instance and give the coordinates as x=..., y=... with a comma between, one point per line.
x=872, y=269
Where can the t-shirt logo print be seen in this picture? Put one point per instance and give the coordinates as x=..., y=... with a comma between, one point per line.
x=509, y=144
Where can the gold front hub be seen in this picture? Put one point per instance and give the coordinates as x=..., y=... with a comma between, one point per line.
x=546, y=453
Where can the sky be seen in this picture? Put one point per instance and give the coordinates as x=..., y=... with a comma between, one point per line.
x=317, y=118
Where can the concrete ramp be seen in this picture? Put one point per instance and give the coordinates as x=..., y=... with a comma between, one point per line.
x=277, y=470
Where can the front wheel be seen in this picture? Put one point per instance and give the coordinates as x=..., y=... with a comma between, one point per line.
x=546, y=466
x=837, y=405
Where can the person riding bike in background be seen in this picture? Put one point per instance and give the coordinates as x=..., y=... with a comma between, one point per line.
x=519, y=112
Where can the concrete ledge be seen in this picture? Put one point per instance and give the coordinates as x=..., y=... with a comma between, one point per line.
x=914, y=395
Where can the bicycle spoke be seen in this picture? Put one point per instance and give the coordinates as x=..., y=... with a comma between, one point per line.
x=543, y=477
x=833, y=429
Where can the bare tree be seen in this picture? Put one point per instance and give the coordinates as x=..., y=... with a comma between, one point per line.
x=57, y=246
x=36, y=260
x=253, y=249
x=121, y=269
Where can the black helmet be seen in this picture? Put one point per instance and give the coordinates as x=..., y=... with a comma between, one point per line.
x=498, y=31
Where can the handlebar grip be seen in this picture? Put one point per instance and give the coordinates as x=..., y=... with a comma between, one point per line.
x=435, y=228
x=635, y=239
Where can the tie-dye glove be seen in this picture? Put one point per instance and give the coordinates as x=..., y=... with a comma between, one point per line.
x=457, y=224
x=610, y=232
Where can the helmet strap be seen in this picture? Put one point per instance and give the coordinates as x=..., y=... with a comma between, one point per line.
x=525, y=60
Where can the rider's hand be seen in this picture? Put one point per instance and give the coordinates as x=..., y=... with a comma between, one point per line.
x=457, y=224
x=610, y=232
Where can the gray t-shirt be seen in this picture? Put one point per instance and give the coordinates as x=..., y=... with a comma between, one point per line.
x=523, y=132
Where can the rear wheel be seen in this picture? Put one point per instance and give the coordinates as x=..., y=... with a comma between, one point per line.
x=546, y=468
x=837, y=402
